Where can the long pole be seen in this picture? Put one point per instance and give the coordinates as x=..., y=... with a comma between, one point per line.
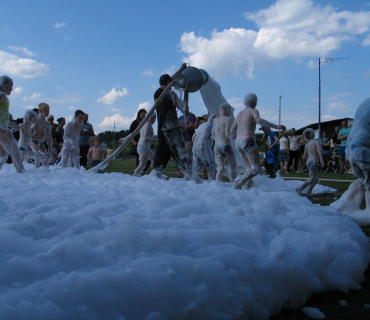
x=104, y=163
x=280, y=110
x=319, y=98
x=114, y=131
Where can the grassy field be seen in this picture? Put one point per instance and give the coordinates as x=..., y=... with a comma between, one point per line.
x=327, y=302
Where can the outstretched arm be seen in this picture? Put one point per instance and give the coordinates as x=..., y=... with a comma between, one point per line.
x=263, y=122
x=234, y=128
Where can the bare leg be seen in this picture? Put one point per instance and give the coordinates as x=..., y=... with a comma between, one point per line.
x=75, y=153
x=143, y=161
x=65, y=155
x=9, y=144
x=220, y=168
x=45, y=162
x=253, y=167
x=211, y=175
x=233, y=168
x=3, y=156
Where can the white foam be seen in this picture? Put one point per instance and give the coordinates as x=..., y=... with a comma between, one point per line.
x=112, y=246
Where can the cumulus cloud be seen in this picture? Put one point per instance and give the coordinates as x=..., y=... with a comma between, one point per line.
x=25, y=51
x=338, y=106
x=16, y=92
x=329, y=117
x=121, y=122
x=366, y=41
x=59, y=25
x=338, y=96
x=288, y=28
x=116, y=109
x=34, y=96
x=148, y=73
x=11, y=64
x=145, y=105
x=71, y=108
x=113, y=96
x=312, y=64
x=66, y=98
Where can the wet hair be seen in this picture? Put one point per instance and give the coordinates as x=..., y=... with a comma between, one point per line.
x=50, y=116
x=5, y=81
x=43, y=105
x=164, y=79
x=29, y=114
x=138, y=114
x=250, y=98
x=309, y=133
x=60, y=120
x=224, y=107
x=35, y=110
x=212, y=118
x=78, y=112
x=93, y=139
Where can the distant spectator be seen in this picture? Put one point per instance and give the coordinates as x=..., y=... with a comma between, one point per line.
x=272, y=154
x=325, y=146
x=294, y=148
x=85, y=135
x=61, y=123
x=284, y=152
x=343, y=135
x=335, y=142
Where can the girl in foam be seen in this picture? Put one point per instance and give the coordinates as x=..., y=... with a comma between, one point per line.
x=313, y=154
x=25, y=140
x=41, y=133
x=8, y=145
x=145, y=142
x=71, y=148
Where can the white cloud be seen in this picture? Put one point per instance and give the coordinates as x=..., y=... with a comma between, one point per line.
x=312, y=64
x=71, y=108
x=329, y=117
x=288, y=28
x=67, y=38
x=17, y=92
x=11, y=64
x=171, y=70
x=338, y=96
x=69, y=118
x=121, y=122
x=366, y=41
x=113, y=96
x=66, y=98
x=34, y=96
x=145, y=105
x=59, y=25
x=116, y=109
x=30, y=107
x=59, y=87
x=25, y=51
x=148, y=73
x=338, y=106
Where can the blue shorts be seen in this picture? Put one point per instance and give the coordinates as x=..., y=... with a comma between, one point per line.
x=342, y=150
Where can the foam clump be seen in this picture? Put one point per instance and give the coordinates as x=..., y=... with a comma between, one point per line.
x=113, y=246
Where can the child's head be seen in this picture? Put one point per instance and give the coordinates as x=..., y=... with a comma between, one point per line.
x=225, y=109
x=79, y=116
x=212, y=118
x=95, y=141
x=153, y=117
x=6, y=84
x=61, y=121
x=285, y=134
x=44, y=109
x=30, y=116
x=309, y=134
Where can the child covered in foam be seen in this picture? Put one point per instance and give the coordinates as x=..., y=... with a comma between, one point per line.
x=203, y=156
x=71, y=146
x=144, y=146
x=25, y=135
x=313, y=155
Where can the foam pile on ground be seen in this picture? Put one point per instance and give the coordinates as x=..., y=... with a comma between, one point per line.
x=112, y=246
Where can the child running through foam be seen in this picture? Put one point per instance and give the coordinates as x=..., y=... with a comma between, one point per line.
x=25, y=136
x=143, y=148
x=313, y=155
x=71, y=146
x=96, y=152
x=203, y=156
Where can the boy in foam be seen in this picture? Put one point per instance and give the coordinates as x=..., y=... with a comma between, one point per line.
x=202, y=148
x=313, y=155
x=41, y=132
x=145, y=142
x=223, y=149
x=71, y=147
x=358, y=154
x=8, y=145
x=244, y=128
x=96, y=152
x=25, y=139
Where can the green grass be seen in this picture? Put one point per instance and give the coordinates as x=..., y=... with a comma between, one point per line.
x=327, y=302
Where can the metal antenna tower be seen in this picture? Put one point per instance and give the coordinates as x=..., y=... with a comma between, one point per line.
x=114, y=131
x=327, y=59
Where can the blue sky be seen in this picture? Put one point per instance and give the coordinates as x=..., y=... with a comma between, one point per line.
x=105, y=57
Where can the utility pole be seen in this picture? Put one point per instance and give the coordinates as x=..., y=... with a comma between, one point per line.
x=280, y=110
x=114, y=131
x=320, y=62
